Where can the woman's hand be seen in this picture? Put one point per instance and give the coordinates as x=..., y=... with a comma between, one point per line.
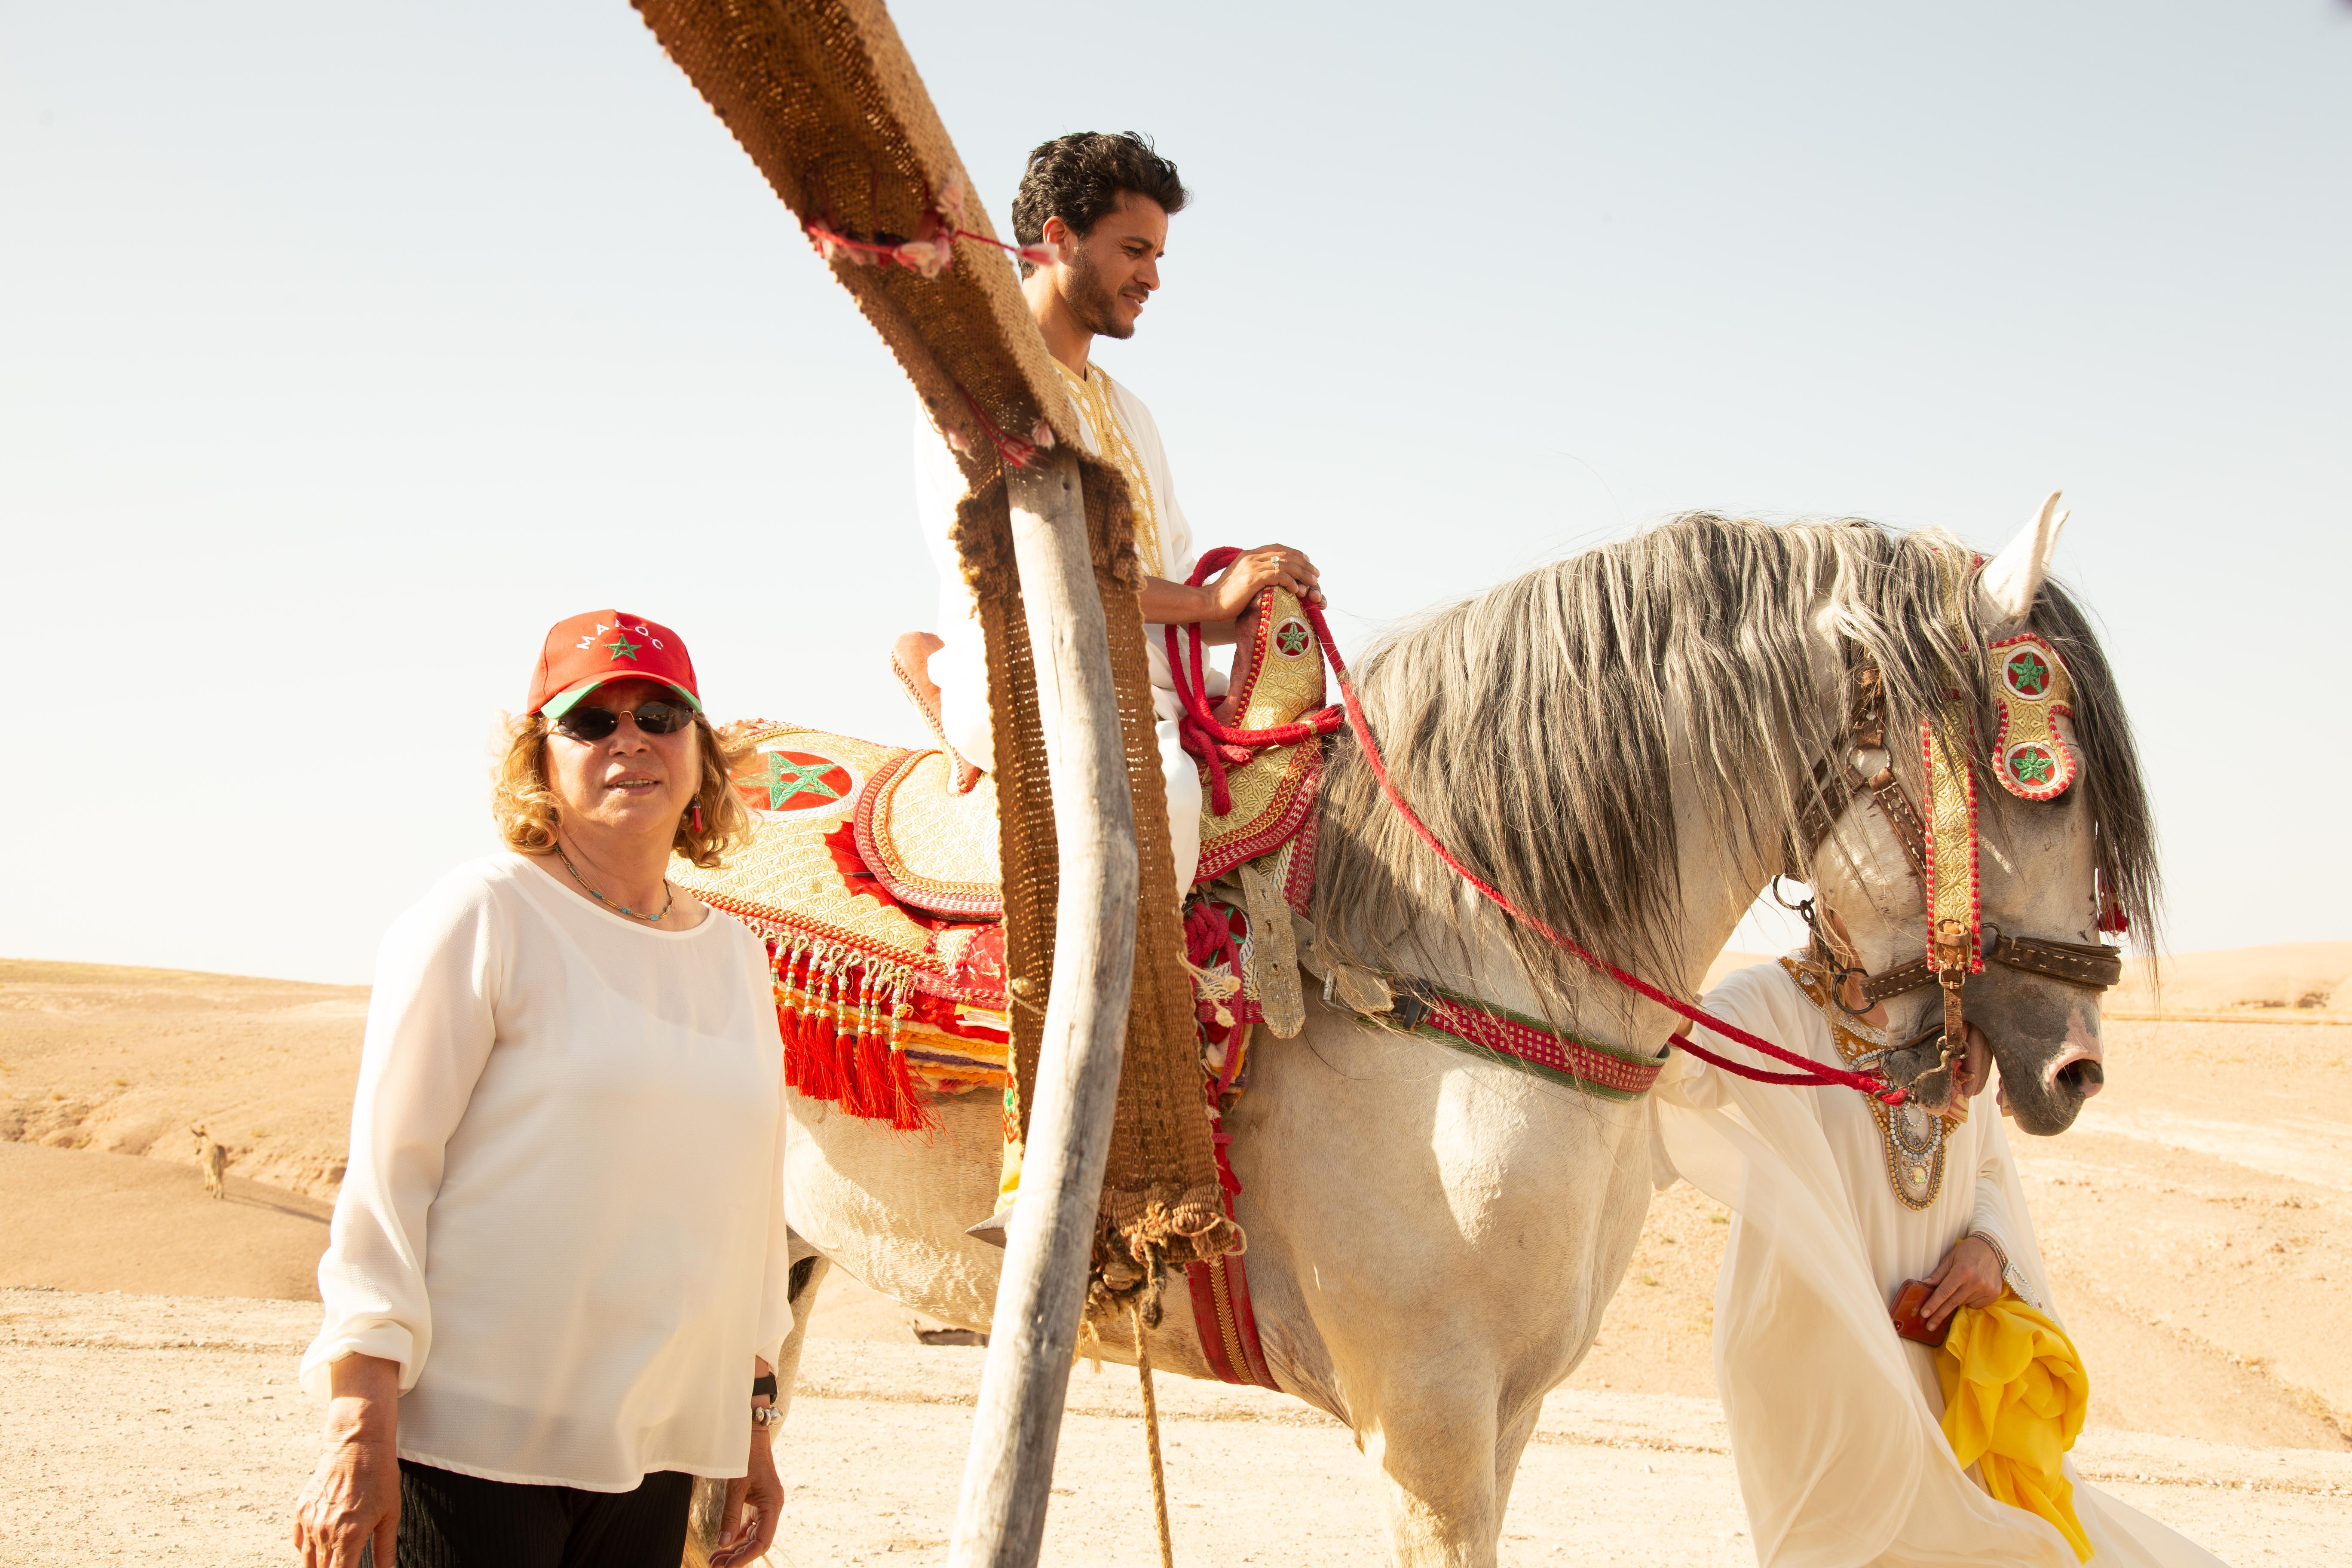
x=1970, y=1276
x=1268, y=566
x=353, y=1497
x=763, y=1494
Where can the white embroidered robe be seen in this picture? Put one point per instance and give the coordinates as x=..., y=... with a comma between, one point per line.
x=1835, y=1421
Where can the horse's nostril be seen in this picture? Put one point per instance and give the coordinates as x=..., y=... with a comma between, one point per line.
x=2082, y=1078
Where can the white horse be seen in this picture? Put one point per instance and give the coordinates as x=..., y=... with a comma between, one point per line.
x=1623, y=743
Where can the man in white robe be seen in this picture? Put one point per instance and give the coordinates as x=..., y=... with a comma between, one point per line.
x=1836, y=1421
x=1103, y=202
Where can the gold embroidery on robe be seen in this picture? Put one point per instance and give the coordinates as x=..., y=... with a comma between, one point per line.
x=1091, y=392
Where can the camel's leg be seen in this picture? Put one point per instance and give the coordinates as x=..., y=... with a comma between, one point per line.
x=704, y=1525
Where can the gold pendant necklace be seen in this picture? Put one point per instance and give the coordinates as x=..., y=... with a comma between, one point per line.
x=1911, y=1138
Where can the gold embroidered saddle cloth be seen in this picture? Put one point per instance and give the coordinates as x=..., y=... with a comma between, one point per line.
x=926, y=823
x=872, y=994
x=874, y=880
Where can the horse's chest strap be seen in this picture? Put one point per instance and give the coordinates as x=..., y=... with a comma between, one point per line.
x=1467, y=1024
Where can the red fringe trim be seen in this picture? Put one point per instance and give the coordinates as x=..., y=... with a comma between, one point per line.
x=837, y=1048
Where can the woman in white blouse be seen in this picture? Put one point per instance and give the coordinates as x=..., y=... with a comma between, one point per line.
x=557, y=1276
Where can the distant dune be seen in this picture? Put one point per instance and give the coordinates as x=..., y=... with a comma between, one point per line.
x=2311, y=978
x=124, y=1060
x=75, y=1220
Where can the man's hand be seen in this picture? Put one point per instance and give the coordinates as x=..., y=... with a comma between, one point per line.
x=755, y=1502
x=1268, y=566
x=1970, y=1276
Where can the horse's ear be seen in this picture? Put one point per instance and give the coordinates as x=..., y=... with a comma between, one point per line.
x=2005, y=590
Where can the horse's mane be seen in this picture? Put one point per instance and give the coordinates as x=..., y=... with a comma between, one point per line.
x=1529, y=726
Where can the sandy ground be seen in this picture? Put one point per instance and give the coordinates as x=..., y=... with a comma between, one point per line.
x=2195, y=1220
x=145, y=1429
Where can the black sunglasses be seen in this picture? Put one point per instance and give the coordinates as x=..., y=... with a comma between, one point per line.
x=584, y=723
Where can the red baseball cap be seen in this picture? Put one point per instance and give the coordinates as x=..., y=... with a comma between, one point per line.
x=587, y=650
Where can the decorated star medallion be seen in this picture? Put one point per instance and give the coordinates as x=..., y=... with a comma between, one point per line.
x=2030, y=764
x=2027, y=673
x=787, y=779
x=1292, y=638
x=791, y=783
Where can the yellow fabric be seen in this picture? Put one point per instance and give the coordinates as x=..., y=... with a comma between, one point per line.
x=2014, y=1394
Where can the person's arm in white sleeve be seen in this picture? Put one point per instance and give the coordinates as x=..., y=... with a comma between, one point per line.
x=1989, y=1218
x=1755, y=1000
x=431, y=1024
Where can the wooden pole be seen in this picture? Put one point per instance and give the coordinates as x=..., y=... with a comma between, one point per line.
x=1001, y=1520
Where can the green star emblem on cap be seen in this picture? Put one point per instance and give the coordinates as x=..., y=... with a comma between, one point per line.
x=787, y=779
x=621, y=647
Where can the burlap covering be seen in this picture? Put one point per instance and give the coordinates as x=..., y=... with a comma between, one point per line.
x=823, y=96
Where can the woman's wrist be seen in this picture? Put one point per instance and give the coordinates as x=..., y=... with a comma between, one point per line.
x=362, y=1421
x=1999, y=1253
x=363, y=1400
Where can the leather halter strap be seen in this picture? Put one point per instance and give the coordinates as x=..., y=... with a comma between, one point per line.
x=2095, y=966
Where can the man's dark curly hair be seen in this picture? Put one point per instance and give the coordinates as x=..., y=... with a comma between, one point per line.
x=1079, y=178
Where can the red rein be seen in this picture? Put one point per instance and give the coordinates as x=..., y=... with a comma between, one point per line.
x=1205, y=738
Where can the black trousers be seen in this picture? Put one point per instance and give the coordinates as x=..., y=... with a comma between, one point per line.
x=450, y=1521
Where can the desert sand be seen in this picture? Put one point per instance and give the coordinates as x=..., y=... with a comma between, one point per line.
x=2195, y=1221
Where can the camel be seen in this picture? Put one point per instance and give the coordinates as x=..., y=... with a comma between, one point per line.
x=212, y=1159
x=1624, y=743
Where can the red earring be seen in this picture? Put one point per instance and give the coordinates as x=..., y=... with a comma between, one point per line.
x=697, y=817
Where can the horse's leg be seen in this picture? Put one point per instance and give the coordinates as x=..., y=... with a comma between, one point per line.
x=704, y=1525
x=1433, y=1241
x=1433, y=1442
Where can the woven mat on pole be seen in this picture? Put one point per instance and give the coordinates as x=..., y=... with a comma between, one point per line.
x=823, y=97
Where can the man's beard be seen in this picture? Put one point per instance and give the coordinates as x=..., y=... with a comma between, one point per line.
x=1094, y=306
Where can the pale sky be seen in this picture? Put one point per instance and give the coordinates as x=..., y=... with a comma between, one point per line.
x=344, y=347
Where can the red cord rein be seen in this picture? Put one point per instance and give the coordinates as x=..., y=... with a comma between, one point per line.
x=1212, y=742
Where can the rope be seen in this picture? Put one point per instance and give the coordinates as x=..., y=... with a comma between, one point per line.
x=1214, y=737
x=1151, y=1440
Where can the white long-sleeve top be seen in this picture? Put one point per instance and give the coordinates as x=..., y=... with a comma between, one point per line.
x=563, y=1215
x=1835, y=1421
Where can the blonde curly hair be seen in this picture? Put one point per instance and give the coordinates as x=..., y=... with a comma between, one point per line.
x=526, y=808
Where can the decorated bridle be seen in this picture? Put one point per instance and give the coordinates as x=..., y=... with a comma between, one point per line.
x=2034, y=761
